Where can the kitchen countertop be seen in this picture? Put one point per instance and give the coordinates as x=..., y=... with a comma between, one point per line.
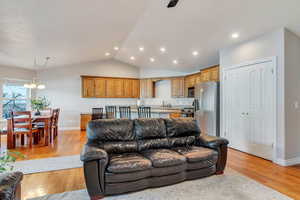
x=155, y=109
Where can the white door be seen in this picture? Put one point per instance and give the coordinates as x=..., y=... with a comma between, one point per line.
x=249, y=108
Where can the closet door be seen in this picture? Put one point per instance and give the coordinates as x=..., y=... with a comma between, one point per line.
x=261, y=110
x=249, y=108
x=235, y=103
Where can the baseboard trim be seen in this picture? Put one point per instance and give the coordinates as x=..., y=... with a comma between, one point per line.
x=288, y=162
x=69, y=128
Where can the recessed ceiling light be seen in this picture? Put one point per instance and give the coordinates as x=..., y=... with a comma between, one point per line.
x=195, y=53
x=107, y=54
x=175, y=62
x=116, y=48
x=163, y=49
x=152, y=59
x=141, y=48
x=235, y=35
x=132, y=58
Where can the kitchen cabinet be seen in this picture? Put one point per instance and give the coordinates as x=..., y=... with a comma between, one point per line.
x=210, y=74
x=108, y=87
x=131, y=88
x=177, y=87
x=147, y=88
x=84, y=120
x=100, y=87
x=88, y=87
x=118, y=88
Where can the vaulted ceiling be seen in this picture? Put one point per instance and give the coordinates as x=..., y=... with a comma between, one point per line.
x=78, y=31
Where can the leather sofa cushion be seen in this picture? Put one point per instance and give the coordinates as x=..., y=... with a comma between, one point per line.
x=197, y=154
x=119, y=147
x=153, y=144
x=110, y=130
x=128, y=162
x=182, y=127
x=150, y=129
x=154, y=172
x=164, y=157
x=182, y=141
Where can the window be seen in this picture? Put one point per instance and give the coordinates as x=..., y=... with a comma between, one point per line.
x=14, y=97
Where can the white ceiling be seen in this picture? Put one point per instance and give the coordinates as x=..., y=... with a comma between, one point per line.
x=78, y=31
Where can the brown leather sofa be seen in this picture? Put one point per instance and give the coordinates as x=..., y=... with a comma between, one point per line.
x=128, y=155
x=10, y=186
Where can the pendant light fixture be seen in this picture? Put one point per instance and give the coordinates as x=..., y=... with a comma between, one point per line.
x=35, y=84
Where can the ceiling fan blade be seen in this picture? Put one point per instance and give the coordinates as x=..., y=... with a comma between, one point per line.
x=172, y=3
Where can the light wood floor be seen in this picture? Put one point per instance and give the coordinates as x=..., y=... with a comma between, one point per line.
x=283, y=179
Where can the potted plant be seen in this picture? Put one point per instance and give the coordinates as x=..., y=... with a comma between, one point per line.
x=10, y=181
x=7, y=159
x=39, y=103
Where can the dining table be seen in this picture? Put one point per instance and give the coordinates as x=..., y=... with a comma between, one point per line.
x=46, y=119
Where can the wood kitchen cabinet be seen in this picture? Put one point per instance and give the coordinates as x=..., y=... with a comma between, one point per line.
x=84, y=119
x=177, y=87
x=100, y=87
x=109, y=87
x=147, y=88
x=210, y=74
x=88, y=87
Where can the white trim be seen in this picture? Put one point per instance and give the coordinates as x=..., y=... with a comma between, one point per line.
x=75, y=128
x=274, y=61
x=288, y=162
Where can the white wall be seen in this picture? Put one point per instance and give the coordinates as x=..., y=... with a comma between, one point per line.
x=16, y=73
x=268, y=45
x=64, y=88
x=292, y=95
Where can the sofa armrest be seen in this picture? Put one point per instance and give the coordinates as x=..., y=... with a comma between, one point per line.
x=94, y=164
x=218, y=144
x=10, y=186
x=90, y=153
x=211, y=141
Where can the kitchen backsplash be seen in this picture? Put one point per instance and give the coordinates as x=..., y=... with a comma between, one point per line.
x=172, y=101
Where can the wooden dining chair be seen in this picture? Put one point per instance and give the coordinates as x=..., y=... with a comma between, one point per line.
x=54, y=122
x=144, y=112
x=125, y=112
x=111, y=112
x=97, y=113
x=22, y=125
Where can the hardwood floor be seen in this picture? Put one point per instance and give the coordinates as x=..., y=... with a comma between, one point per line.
x=283, y=179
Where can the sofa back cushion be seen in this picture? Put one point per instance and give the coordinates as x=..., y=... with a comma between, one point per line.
x=182, y=131
x=113, y=135
x=151, y=134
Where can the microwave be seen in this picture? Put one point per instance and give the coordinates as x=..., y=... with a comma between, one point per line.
x=191, y=92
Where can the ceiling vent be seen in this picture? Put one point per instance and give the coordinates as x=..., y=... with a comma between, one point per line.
x=172, y=3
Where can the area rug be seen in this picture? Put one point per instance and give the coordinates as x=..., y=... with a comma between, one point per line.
x=48, y=164
x=231, y=186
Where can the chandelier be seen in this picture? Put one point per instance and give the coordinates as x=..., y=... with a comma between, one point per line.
x=35, y=84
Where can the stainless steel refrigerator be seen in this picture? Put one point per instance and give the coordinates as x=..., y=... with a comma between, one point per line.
x=207, y=112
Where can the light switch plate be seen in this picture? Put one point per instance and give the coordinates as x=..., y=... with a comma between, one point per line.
x=296, y=105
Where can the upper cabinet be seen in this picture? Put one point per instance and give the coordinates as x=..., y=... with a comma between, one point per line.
x=177, y=87
x=109, y=87
x=106, y=87
x=88, y=87
x=147, y=88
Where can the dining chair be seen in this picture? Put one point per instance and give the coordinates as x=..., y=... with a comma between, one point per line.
x=54, y=122
x=22, y=125
x=111, y=112
x=144, y=112
x=125, y=112
x=97, y=113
